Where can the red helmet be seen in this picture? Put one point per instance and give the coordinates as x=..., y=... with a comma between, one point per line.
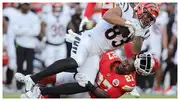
x=151, y=10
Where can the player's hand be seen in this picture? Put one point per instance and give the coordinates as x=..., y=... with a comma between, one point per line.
x=82, y=79
x=129, y=25
x=164, y=54
x=83, y=22
x=70, y=37
x=135, y=28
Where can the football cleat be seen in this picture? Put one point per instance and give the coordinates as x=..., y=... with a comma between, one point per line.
x=34, y=93
x=29, y=84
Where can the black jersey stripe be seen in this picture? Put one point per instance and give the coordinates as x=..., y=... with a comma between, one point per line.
x=127, y=7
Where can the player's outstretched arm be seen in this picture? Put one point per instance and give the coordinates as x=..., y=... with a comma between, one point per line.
x=113, y=16
x=137, y=44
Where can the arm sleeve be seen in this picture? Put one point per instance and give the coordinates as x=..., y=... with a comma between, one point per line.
x=89, y=10
x=128, y=50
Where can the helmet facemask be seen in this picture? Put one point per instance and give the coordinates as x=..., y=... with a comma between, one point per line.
x=144, y=64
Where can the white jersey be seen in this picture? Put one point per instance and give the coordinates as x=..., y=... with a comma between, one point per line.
x=12, y=14
x=109, y=36
x=55, y=28
x=156, y=34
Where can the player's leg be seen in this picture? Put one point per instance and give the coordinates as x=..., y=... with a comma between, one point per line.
x=78, y=58
x=12, y=65
x=61, y=87
x=20, y=60
x=91, y=70
x=62, y=78
x=29, y=60
x=10, y=70
x=58, y=79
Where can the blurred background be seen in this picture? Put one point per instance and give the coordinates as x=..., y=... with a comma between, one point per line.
x=34, y=38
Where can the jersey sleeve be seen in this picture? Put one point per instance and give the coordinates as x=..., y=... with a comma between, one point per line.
x=128, y=51
x=89, y=10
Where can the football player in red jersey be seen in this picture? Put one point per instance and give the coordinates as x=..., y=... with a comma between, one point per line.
x=111, y=80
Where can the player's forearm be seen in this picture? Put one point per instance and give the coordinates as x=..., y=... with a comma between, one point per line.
x=35, y=30
x=114, y=17
x=19, y=31
x=137, y=44
x=97, y=92
x=164, y=37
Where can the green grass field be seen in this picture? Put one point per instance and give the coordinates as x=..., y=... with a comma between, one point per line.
x=8, y=95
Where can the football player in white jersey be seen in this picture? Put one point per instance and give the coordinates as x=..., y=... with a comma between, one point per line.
x=158, y=36
x=116, y=28
x=11, y=12
x=55, y=31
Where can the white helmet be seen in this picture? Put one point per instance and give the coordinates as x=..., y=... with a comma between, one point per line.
x=144, y=64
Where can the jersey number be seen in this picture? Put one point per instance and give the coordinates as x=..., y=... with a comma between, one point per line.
x=111, y=55
x=101, y=81
x=112, y=33
x=129, y=78
x=58, y=30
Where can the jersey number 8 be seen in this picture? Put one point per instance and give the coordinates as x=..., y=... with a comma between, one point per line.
x=112, y=33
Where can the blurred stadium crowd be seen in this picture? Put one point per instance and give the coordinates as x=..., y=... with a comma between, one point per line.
x=34, y=38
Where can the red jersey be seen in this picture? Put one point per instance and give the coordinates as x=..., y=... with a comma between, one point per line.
x=114, y=84
x=89, y=11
